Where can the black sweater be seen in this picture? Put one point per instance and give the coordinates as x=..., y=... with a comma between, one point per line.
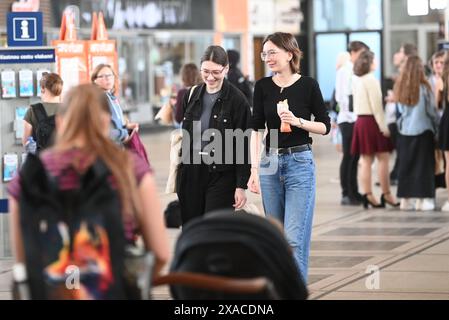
x=304, y=99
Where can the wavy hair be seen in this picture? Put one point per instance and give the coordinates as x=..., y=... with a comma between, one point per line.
x=407, y=86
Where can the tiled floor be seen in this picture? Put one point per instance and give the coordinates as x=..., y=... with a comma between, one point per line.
x=410, y=250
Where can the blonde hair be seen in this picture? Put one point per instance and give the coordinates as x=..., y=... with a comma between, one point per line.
x=82, y=110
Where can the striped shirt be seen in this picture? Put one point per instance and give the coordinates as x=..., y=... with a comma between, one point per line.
x=66, y=166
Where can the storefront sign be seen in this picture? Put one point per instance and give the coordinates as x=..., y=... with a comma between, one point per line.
x=27, y=56
x=143, y=14
x=269, y=15
x=26, y=6
x=71, y=63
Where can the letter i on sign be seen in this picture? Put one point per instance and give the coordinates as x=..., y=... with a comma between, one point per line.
x=24, y=28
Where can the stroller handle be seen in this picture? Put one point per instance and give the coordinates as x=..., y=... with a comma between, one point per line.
x=217, y=283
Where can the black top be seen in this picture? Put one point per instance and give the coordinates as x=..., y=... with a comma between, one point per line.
x=304, y=99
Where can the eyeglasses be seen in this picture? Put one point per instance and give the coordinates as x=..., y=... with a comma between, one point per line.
x=214, y=73
x=265, y=55
x=105, y=76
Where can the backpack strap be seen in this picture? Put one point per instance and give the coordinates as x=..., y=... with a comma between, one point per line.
x=39, y=112
x=37, y=184
x=191, y=91
x=95, y=176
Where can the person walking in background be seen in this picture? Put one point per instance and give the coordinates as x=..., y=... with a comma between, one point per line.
x=236, y=77
x=371, y=134
x=286, y=171
x=190, y=76
x=82, y=142
x=346, y=119
x=417, y=128
x=121, y=130
x=400, y=57
x=207, y=179
x=436, y=78
x=392, y=112
x=39, y=120
x=443, y=132
x=436, y=65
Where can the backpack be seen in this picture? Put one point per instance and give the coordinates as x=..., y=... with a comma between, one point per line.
x=236, y=77
x=74, y=240
x=173, y=215
x=43, y=133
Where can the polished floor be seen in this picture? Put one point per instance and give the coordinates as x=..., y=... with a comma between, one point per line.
x=356, y=253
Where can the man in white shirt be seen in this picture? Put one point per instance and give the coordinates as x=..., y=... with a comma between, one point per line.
x=346, y=119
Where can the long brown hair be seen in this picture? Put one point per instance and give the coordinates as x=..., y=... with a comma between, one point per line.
x=445, y=96
x=83, y=108
x=190, y=74
x=407, y=86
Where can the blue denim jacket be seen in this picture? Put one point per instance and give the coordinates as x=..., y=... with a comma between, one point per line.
x=118, y=132
x=415, y=120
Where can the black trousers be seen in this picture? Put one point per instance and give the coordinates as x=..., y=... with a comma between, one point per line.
x=394, y=135
x=200, y=191
x=416, y=172
x=348, y=165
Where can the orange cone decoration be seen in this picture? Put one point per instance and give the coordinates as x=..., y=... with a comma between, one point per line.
x=94, y=30
x=102, y=34
x=70, y=33
x=63, y=27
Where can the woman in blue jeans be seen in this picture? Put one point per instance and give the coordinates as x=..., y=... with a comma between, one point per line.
x=285, y=173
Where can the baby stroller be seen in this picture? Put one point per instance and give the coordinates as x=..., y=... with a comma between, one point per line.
x=233, y=256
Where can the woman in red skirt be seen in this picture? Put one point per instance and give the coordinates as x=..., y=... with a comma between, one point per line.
x=371, y=136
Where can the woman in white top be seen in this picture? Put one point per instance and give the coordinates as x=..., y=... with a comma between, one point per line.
x=371, y=136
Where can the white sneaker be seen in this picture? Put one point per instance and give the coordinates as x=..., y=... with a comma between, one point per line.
x=445, y=207
x=427, y=204
x=407, y=204
x=418, y=204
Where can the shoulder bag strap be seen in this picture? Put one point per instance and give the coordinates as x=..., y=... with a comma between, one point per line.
x=191, y=92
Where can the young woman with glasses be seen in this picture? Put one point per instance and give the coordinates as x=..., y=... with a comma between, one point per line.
x=121, y=130
x=210, y=176
x=286, y=170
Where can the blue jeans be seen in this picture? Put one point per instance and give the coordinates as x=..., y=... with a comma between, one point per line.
x=287, y=184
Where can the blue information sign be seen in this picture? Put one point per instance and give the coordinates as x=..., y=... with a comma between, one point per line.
x=27, y=56
x=24, y=29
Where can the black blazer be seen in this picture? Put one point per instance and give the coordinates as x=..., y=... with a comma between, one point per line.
x=231, y=111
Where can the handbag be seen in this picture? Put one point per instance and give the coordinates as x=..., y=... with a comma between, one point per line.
x=165, y=115
x=175, y=155
x=135, y=145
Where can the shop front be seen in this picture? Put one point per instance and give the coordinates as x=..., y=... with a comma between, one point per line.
x=154, y=39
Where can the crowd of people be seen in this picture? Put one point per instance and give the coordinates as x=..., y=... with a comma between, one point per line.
x=90, y=138
x=411, y=120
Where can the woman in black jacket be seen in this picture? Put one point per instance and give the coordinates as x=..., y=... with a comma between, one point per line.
x=215, y=163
